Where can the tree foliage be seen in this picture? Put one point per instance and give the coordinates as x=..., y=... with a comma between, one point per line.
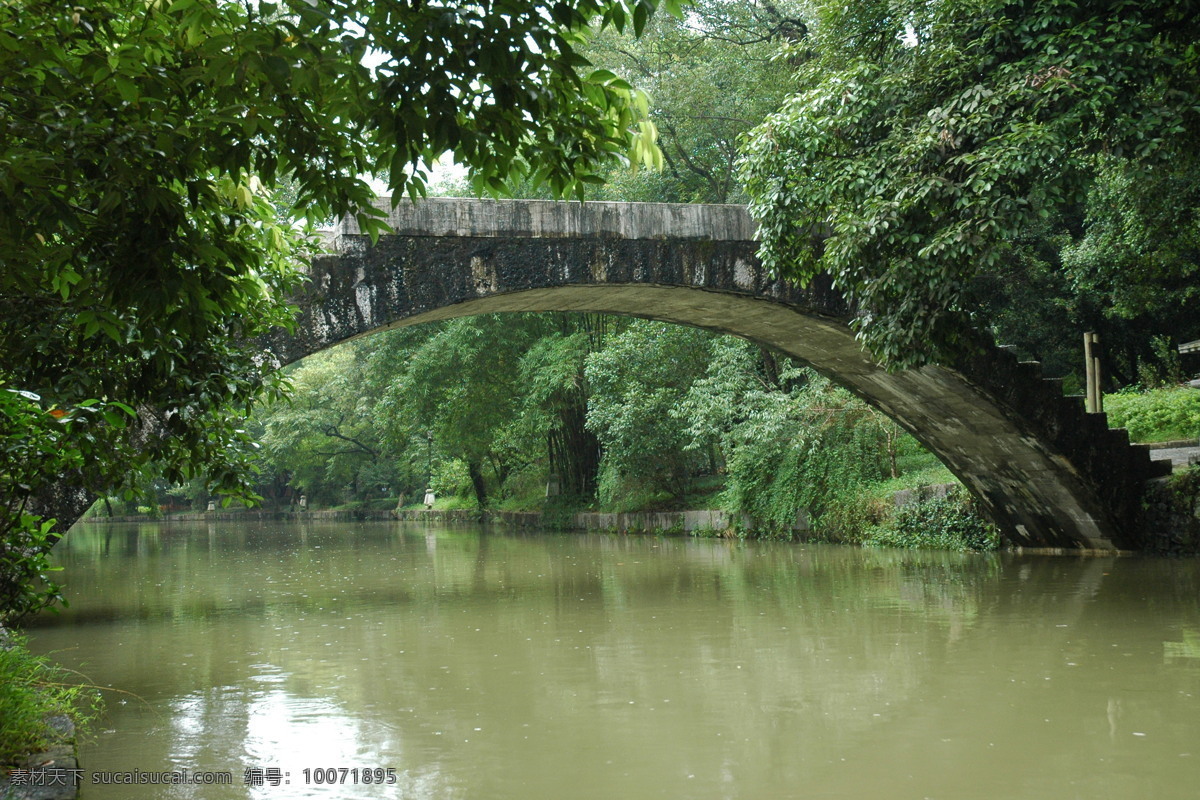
x=659, y=410
x=141, y=143
x=711, y=75
x=37, y=448
x=926, y=136
x=143, y=147
x=638, y=381
x=487, y=399
x=1121, y=262
x=790, y=440
x=556, y=393
x=325, y=436
x=1138, y=254
x=460, y=385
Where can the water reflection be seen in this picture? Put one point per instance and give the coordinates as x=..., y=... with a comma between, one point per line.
x=511, y=665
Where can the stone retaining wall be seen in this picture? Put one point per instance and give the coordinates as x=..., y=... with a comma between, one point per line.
x=681, y=521
x=254, y=515
x=633, y=522
x=630, y=522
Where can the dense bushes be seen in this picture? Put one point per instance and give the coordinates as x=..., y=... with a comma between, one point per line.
x=952, y=522
x=1156, y=416
x=39, y=443
x=807, y=447
x=1185, y=485
x=869, y=516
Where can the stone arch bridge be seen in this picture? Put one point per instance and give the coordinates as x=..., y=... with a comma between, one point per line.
x=1049, y=474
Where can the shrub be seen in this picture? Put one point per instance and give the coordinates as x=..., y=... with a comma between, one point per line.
x=943, y=523
x=813, y=447
x=850, y=517
x=1185, y=486
x=37, y=446
x=1156, y=416
x=450, y=478
x=25, y=584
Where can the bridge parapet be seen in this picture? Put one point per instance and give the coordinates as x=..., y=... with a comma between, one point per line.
x=548, y=219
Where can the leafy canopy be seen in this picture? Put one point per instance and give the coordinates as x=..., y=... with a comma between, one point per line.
x=142, y=143
x=928, y=134
x=712, y=76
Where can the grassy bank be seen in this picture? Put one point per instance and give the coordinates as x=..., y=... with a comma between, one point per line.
x=938, y=514
x=862, y=513
x=1158, y=415
x=32, y=691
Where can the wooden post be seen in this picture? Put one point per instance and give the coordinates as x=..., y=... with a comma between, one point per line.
x=1089, y=379
x=1093, y=400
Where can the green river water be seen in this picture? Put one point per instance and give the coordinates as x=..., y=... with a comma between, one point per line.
x=496, y=665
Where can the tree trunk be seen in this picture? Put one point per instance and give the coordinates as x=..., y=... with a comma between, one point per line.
x=770, y=367
x=476, y=472
x=63, y=501
x=582, y=450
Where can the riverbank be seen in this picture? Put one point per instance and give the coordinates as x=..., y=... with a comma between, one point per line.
x=252, y=515
x=38, y=755
x=52, y=773
x=701, y=522
x=939, y=516
x=879, y=518
x=695, y=523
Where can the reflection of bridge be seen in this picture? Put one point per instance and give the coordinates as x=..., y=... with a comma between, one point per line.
x=1049, y=474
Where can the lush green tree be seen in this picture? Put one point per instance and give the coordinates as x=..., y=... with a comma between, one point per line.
x=487, y=399
x=504, y=394
x=1121, y=262
x=460, y=384
x=142, y=140
x=490, y=407
x=29, y=450
x=637, y=380
x=141, y=147
x=1040, y=302
x=790, y=439
x=926, y=136
x=556, y=392
x=1135, y=262
x=1139, y=249
x=325, y=434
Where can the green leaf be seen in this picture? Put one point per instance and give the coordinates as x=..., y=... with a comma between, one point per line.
x=126, y=88
x=641, y=15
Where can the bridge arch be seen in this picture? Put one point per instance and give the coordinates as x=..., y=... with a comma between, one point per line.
x=1048, y=474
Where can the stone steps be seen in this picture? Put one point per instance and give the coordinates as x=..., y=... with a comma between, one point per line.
x=1104, y=456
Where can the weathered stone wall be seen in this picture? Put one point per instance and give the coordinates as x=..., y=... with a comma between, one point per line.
x=1172, y=507
x=1048, y=474
x=628, y=522
x=255, y=515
